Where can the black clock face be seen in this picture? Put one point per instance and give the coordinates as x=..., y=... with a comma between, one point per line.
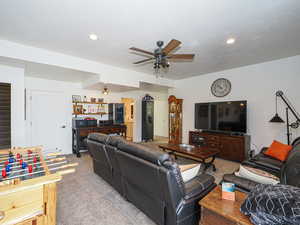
x=221, y=87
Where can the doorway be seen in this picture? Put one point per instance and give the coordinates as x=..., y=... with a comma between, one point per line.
x=48, y=121
x=129, y=116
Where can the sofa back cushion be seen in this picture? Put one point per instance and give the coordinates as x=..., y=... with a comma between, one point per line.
x=116, y=172
x=142, y=185
x=98, y=137
x=115, y=140
x=98, y=151
x=144, y=152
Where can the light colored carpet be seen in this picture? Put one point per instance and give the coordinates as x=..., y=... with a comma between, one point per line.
x=85, y=199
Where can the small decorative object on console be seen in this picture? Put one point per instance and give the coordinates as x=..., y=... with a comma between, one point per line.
x=76, y=98
x=93, y=100
x=228, y=191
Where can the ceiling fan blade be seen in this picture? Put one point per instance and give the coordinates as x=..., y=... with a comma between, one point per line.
x=181, y=56
x=141, y=50
x=145, y=60
x=171, y=46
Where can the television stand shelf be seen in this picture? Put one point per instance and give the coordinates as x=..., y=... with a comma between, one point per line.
x=231, y=147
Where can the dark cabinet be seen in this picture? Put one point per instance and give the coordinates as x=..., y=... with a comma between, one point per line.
x=116, y=113
x=147, y=119
x=232, y=147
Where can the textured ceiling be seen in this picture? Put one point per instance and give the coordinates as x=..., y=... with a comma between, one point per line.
x=264, y=30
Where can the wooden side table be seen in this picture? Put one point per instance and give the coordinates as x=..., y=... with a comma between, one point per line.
x=217, y=211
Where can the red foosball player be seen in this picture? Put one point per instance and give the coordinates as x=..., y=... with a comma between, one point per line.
x=29, y=152
x=21, y=162
x=18, y=156
x=3, y=173
x=35, y=159
x=30, y=169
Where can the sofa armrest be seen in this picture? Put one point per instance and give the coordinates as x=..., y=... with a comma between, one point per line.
x=199, y=185
x=242, y=184
x=263, y=150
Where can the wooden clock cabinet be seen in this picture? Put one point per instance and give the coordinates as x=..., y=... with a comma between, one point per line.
x=175, y=120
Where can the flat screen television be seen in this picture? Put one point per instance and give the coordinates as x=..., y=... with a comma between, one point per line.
x=221, y=116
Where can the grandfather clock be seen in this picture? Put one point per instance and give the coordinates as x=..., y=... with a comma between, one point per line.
x=175, y=120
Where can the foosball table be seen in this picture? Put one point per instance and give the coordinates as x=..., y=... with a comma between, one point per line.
x=28, y=185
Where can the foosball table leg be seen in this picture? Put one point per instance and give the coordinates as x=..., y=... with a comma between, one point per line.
x=50, y=204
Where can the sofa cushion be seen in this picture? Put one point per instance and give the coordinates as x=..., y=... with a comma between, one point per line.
x=266, y=161
x=241, y=183
x=197, y=185
x=99, y=137
x=278, y=150
x=144, y=152
x=115, y=140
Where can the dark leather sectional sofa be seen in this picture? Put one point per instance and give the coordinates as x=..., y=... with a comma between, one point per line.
x=149, y=179
x=288, y=172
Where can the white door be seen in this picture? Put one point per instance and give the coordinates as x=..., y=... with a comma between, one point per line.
x=49, y=121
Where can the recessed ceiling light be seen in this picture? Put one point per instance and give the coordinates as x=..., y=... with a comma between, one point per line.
x=230, y=41
x=93, y=37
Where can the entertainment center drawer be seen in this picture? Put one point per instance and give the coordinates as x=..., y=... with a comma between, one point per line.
x=213, y=144
x=212, y=138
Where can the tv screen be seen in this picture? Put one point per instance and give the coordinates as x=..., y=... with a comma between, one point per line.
x=221, y=116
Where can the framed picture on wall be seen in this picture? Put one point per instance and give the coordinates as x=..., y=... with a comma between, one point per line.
x=77, y=109
x=76, y=98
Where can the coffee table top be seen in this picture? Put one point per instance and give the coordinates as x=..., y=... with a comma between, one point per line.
x=202, y=152
x=226, y=208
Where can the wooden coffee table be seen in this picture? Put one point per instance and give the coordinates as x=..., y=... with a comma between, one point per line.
x=216, y=210
x=203, y=154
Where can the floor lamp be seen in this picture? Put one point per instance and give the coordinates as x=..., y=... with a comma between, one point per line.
x=289, y=107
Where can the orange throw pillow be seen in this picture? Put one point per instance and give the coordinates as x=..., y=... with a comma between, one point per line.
x=278, y=150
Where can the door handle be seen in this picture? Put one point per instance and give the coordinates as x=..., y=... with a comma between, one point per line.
x=63, y=126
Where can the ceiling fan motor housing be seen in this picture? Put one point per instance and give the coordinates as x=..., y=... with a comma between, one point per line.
x=160, y=43
x=162, y=55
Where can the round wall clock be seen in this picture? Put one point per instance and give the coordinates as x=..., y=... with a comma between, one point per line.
x=221, y=87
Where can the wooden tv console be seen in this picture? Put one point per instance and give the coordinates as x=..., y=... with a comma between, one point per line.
x=231, y=147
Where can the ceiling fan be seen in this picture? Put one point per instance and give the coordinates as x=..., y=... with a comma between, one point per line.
x=162, y=55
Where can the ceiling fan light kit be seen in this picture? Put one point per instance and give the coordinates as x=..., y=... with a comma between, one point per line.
x=161, y=56
x=105, y=91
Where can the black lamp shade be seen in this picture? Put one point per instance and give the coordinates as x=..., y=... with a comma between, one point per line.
x=276, y=119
